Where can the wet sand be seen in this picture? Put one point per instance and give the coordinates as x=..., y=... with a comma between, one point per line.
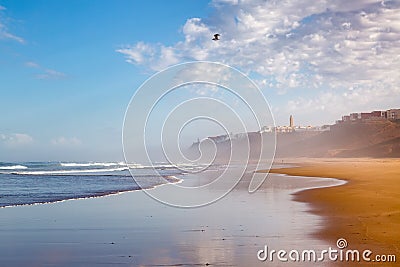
x=365, y=211
x=131, y=229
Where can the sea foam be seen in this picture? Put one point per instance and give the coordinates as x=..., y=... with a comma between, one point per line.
x=13, y=167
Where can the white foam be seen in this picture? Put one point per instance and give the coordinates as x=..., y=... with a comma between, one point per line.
x=60, y=172
x=14, y=167
x=91, y=164
x=136, y=166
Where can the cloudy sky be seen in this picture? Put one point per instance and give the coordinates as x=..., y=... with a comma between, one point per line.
x=69, y=68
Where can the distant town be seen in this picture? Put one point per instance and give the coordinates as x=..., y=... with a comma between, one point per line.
x=390, y=114
x=293, y=128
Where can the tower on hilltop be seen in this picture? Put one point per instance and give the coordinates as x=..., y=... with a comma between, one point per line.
x=291, y=122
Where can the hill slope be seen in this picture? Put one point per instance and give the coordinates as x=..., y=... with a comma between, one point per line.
x=355, y=139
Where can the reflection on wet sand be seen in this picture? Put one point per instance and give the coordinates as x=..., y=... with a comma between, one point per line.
x=132, y=229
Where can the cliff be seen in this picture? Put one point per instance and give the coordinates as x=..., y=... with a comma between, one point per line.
x=351, y=139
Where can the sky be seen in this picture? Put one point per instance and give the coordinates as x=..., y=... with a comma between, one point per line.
x=68, y=69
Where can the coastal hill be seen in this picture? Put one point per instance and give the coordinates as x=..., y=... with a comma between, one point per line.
x=375, y=138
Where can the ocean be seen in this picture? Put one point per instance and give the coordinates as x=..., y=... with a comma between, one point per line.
x=28, y=183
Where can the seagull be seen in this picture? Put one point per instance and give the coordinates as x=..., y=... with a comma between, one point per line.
x=216, y=37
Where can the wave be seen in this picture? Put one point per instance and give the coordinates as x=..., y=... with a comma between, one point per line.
x=14, y=167
x=156, y=166
x=173, y=179
x=92, y=164
x=137, y=166
x=61, y=172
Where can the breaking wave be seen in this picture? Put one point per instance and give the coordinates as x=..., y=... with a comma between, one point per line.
x=92, y=164
x=61, y=172
x=13, y=167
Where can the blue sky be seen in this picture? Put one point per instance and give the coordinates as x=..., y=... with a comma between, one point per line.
x=65, y=81
x=69, y=68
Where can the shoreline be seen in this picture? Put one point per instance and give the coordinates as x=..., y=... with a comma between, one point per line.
x=365, y=210
x=68, y=199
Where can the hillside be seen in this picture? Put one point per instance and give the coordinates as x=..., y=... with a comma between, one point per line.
x=350, y=139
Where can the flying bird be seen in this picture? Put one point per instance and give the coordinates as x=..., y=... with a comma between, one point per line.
x=216, y=37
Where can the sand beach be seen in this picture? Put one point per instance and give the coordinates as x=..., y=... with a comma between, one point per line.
x=365, y=210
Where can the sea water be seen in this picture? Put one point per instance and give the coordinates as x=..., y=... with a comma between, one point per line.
x=43, y=182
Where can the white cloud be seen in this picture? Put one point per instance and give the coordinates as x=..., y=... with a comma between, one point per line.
x=203, y=89
x=330, y=46
x=232, y=2
x=16, y=139
x=140, y=53
x=45, y=74
x=50, y=74
x=5, y=34
x=31, y=64
x=145, y=54
x=332, y=104
x=64, y=141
